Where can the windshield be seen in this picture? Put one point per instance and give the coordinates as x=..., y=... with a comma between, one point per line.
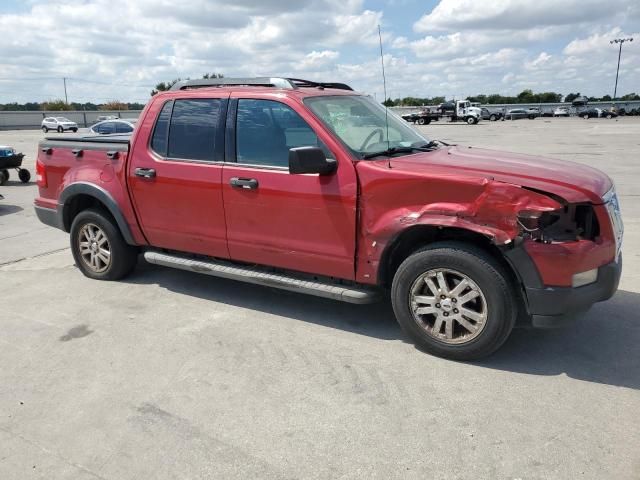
x=62, y=119
x=359, y=121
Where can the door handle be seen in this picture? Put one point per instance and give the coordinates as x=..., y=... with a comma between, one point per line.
x=248, y=183
x=145, y=172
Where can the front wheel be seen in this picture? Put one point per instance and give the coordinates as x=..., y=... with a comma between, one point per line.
x=493, y=118
x=471, y=121
x=4, y=176
x=586, y=117
x=60, y=129
x=45, y=129
x=421, y=121
x=454, y=301
x=98, y=248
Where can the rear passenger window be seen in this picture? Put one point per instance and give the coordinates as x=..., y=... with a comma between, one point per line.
x=161, y=131
x=193, y=129
x=122, y=127
x=266, y=130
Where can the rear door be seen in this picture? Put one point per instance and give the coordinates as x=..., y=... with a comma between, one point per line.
x=298, y=222
x=174, y=176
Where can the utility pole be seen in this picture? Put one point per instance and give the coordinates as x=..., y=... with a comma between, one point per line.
x=64, y=79
x=620, y=41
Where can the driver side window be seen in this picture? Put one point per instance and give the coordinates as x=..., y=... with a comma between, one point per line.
x=266, y=130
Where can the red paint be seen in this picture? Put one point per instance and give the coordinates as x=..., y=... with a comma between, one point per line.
x=336, y=225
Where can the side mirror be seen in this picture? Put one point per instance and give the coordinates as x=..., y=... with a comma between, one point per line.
x=310, y=160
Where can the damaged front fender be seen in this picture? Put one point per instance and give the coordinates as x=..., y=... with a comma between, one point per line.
x=398, y=202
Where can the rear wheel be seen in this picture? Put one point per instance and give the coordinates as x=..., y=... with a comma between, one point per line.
x=4, y=176
x=493, y=118
x=98, y=248
x=74, y=130
x=454, y=301
x=586, y=116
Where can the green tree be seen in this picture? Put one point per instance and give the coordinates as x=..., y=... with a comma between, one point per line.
x=164, y=86
x=56, y=105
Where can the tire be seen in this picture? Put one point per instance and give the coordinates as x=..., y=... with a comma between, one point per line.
x=24, y=175
x=609, y=116
x=493, y=118
x=586, y=117
x=45, y=129
x=471, y=121
x=4, y=176
x=531, y=117
x=495, y=300
x=60, y=129
x=74, y=130
x=123, y=257
x=421, y=121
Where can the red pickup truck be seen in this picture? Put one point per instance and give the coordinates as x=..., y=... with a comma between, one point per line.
x=315, y=188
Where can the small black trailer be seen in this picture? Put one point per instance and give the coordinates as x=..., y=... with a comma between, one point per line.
x=10, y=160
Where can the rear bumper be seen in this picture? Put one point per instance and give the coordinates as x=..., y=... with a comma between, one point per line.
x=49, y=216
x=557, y=306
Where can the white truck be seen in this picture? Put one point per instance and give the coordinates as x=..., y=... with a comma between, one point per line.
x=460, y=111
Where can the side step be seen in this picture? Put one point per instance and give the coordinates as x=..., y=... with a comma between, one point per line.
x=250, y=274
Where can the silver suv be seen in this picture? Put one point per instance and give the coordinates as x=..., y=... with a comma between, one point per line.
x=59, y=124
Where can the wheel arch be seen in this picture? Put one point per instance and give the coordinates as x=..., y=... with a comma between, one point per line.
x=415, y=237
x=81, y=195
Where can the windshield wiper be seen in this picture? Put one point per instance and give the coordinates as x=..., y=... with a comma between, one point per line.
x=427, y=147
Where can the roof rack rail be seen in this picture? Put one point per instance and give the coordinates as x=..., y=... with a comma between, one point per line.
x=298, y=82
x=275, y=82
x=240, y=82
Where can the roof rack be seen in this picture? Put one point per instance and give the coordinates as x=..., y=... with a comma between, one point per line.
x=275, y=82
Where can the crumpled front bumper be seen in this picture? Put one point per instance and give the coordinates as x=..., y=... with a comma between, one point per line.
x=557, y=306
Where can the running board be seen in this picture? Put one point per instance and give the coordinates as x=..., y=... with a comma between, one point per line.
x=250, y=274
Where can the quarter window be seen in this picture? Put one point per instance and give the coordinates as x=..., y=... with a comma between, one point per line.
x=161, y=130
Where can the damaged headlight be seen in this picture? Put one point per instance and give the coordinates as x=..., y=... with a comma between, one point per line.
x=568, y=224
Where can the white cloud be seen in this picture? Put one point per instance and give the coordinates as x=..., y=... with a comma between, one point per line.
x=517, y=14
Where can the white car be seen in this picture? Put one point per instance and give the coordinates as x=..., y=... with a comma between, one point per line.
x=108, y=127
x=60, y=124
x=561, y=112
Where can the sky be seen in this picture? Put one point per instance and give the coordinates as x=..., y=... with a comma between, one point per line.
x=119, y=49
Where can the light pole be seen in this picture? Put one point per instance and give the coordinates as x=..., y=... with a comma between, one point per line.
x=620, y=41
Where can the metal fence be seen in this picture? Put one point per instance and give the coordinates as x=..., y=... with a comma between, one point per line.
x=31, y=120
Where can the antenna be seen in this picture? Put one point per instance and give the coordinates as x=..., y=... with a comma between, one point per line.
x=384, y=86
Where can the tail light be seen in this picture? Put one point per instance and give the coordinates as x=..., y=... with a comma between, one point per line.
x=41, y=174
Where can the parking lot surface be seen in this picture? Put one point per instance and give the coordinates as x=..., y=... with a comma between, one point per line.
x=170, y=374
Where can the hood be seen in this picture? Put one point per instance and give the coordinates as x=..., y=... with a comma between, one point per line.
x=572, y=181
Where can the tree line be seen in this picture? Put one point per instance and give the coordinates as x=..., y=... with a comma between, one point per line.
x=526, y=96
x=61, y=106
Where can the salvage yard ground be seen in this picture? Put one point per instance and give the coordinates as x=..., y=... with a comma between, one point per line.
x=170, y=374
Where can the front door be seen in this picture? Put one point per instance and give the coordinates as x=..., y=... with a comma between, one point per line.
x=298, y=222
x=175, y=178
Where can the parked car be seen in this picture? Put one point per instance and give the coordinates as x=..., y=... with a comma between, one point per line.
x=589, y=113
x=492, y=115
x=608, y=114
x=533, y=112
x=561, y=112
x=113, y=126
x=102, y=118
x=518, y=113
x=60, y=124
x=275, y=184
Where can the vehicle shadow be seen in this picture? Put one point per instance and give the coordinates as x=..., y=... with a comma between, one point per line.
x=601, y=347
x=374, y=320
x=6, y=209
